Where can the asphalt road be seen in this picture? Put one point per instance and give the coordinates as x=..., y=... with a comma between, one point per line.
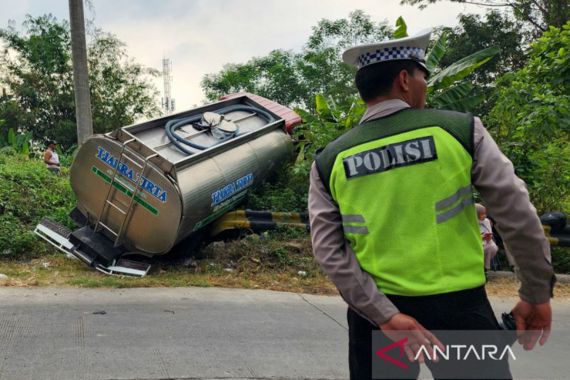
x=197, y=333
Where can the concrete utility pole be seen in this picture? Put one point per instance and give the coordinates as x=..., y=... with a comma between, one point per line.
x=80, y=73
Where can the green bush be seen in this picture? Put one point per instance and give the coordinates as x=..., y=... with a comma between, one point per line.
x=286, y=192
x=7, y=151
x=531, y=120
x=561, y=259
x=28, y=193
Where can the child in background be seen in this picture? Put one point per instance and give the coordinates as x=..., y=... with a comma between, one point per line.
x=489, y=247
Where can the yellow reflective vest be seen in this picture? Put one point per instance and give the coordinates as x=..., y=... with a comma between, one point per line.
x=403, y=187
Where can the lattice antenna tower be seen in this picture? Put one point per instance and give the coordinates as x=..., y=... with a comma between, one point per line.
x=168, y=104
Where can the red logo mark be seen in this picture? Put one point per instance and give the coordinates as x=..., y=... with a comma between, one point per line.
x=381, y=353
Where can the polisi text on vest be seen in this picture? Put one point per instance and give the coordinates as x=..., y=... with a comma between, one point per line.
x=391, y=156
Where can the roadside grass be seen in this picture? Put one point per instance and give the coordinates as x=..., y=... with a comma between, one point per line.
x=280, y=260
x=276, y=260
x=508, y=287
x=56, y=270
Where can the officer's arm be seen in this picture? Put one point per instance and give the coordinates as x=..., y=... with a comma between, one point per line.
x=507, y=201
x=337, y=259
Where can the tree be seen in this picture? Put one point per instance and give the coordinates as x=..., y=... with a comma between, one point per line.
x=320, y=63
x=295, y=78
x=322, y=87
x=447, y=88
x=357, y=29
x=121, y=90
x=275, y=76
x=38, y=78
x=538, y=14
x=40, y=87
x=474, y=34
x=531, y=119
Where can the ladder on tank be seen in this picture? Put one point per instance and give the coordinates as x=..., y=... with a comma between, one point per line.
x=108, y=202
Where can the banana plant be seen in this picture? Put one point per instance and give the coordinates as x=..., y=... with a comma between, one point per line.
x=19, y=142
x=328, y=122
x=447, y=88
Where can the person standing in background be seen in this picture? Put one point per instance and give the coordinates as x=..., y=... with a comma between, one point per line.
x=51, y=158
x=490, y=249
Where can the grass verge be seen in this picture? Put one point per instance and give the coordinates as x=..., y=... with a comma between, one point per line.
x=280, y=260
x=58, y=271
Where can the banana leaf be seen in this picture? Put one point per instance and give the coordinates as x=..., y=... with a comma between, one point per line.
x=12, y=138
x=401, y=28
x=461, y=68
x=437, y=52
x=460, y=97
x=322, y=108
x=26, y=148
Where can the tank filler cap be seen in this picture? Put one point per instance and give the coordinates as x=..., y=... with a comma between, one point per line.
x=227, y=126
x=212, y=119
x=220, y=127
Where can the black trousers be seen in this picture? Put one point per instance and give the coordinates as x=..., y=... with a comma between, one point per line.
x=462, y=310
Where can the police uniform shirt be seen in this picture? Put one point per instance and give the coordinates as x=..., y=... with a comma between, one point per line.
x=506, y=199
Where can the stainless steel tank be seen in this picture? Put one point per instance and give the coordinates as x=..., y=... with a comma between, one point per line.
x=160, y=194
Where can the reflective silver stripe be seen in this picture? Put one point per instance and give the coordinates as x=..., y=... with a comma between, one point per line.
x=355, y=229
x=357, y=218
x=454, y=211
x=454, y=198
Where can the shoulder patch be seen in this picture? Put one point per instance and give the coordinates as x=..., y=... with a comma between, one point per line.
x=377, y=160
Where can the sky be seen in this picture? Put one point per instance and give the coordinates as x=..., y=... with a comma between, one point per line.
x=201, y=36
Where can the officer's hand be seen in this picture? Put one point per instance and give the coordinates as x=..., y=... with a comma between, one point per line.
x=533, y=323
x=402, y=326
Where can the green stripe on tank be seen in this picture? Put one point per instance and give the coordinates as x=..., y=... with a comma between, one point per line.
x=117, y=185
x=220, y=211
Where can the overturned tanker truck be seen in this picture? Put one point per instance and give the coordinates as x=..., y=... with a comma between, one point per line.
x=147, y=187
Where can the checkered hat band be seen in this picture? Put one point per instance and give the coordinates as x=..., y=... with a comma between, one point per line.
x=390, y=54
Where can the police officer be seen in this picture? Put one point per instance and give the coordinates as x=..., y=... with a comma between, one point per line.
x=393, y=221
